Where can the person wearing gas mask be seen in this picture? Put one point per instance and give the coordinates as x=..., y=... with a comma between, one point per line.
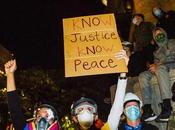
x=141, y=34
x=165, y=20
x=132, y=106
x=45, y=116
x=164, y=61
x=84, y=111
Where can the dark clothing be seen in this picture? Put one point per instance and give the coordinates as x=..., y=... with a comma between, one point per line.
x=148, y=53
x=142, y=35
x=3, y=116
x=137, y=64
x=167, y=22
x=144, y=126
x=139, y=60
x=16, y=111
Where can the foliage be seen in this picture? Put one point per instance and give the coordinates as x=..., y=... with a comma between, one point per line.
x=36, y=86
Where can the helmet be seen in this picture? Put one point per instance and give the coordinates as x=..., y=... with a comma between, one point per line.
x=132, y=97
x=83, y=101
x=49, y=107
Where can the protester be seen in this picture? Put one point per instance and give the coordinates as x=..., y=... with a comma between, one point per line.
x=138, y=63
x=142, y=34
x=133, y=112
x=45, y=116
x=165, y=20
x=85, y=113
x=164, y=61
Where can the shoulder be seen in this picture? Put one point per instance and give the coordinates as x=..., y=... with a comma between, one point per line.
x=171, y=13
x=105, y=126
x=149, y=127
x=171, y=43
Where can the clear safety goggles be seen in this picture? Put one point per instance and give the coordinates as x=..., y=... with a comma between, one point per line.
x=85, y=107
x=44, y=113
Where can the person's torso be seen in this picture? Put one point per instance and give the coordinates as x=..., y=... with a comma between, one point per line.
x=143, y=127
x=143, y=33
x=166, y=54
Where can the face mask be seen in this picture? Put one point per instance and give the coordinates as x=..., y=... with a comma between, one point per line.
x=133, y=112
x=85, y=119
x=134, y=21
x=41, y=112
x=42, y=124
x=160, y=38
x=158, y=13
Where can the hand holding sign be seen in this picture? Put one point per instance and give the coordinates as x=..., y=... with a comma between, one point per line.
x=122, y=55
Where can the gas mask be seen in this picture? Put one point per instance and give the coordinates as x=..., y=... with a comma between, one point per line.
x=132, y=112
x=85, y=116
x=161, y=39
x=44, y=118
x=42, y=124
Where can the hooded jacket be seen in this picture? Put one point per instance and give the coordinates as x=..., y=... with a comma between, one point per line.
x=165, y=53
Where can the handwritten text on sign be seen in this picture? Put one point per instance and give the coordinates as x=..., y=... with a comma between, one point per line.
x=90, y=43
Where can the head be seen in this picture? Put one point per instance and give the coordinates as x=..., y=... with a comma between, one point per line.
x=45, y=115
x=137, y=19
x=160, y=36
x=84, y=112
x=132, y=107
x=158, y=13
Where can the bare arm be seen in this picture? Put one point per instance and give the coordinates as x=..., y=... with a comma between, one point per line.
x=117, y=107
x=10, y=68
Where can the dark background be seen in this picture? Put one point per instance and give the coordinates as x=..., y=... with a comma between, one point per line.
x=32, y=29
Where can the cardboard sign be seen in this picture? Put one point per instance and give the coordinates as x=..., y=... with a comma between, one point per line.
x=90, y=44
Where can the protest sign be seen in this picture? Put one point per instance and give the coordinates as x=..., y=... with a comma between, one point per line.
x=90, y=44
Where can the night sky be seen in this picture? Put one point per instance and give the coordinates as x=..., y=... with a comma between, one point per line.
x=32, y=29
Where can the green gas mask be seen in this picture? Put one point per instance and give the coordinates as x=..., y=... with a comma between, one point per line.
x=160, y=38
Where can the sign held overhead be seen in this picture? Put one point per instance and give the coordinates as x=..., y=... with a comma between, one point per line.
x=90, y=44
